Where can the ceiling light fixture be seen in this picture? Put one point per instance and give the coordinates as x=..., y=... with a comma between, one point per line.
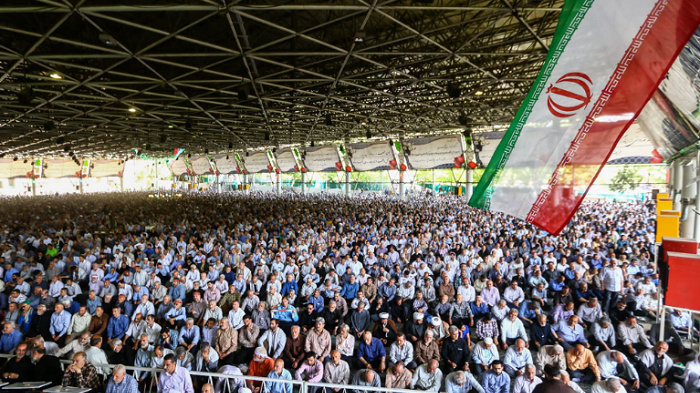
x=478, y=93
x=55, y=75
x=132, y=110
x=360, y=37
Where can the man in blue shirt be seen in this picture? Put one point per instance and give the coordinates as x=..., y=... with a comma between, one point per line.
x=350, y=289
x=10, y=338
x=121, y=382
x=60, y=320
x=118, y=325
x=570, y=333
x=279, y=373
x=495, y=380
x=177, y=291
x=371, y=352
x=189, y=335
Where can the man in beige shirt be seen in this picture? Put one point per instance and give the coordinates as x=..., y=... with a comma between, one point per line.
x=226, y=341
x=398, y=377
x=427, y=349
x=582, y=364
x=318, y=340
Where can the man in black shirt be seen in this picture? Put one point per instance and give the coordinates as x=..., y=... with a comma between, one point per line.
x=46, y=367
x=455, y=352
x=19, y=368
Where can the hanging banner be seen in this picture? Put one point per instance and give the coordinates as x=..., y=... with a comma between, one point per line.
x=371, y=156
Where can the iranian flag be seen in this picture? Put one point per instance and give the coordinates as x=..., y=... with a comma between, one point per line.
x=605, y=61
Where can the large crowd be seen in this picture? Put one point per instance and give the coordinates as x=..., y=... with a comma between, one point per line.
x=343, y=293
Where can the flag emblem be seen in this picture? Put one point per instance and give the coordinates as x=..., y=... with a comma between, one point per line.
x=568, y=94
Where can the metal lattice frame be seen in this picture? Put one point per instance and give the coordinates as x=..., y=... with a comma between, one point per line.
x=215, y=74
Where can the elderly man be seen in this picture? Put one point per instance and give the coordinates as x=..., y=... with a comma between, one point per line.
x=371, y=353
x=570, y=333
x=75, y=346
x=174, y=379
x=455, y=351
x=207, y=359
x=278, y=374
x=528, y=381
x=516, y=358
x=550, y=354
x=603, y=335
x=615, y=364
x=462, y=382
x=336, y=371
x=60, y=320
x=318, y=340
x=294, y=352
x=427, y=377
x=611, y=385
x=495, y=380
x=189, y=335
x=582, y=364
x=632, y=338
x=81, y=374
x=427, y=349
x=366, y=377
x=657, y=365
x=10, y=337
x=398, y=377
x=121, y=382
x=484, y=354
x=226, y=342
x=260, y=366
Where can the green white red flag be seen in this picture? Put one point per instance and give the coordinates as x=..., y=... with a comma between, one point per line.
x=605, y=61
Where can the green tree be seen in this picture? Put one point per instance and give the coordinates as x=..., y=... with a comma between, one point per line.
x=626, y=179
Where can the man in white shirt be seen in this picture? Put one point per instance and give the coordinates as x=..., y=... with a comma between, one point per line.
x=612, y=280
x=527, y=382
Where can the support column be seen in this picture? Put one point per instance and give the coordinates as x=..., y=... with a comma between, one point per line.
x=303, y=183
x=688, y=225
x=470, y=184
x=402, y=187
x=33, y=187
x=121, y=183
x=677, y=183
x=279, y=184
x=80, y=183
x=347, y=184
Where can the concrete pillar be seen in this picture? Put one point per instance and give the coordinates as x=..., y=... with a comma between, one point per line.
x=33, y=187
x=688, y=225
x=80, y=184
x=121, y=183
x=278, y=184
x=347, y=184
x=470, y=184
x=402, y=187
x=677, y=183
x=303, y=183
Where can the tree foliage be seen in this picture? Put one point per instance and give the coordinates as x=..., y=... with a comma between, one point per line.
x=626, y=179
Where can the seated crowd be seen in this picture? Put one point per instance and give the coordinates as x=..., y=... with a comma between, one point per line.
x=428, y=294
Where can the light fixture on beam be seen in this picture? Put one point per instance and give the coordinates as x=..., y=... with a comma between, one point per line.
x=360, y=37
x=55, y=75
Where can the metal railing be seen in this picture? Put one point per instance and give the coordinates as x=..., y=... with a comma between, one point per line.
x=230, y=383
